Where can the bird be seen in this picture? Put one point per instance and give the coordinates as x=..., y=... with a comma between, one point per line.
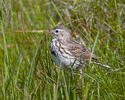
x=67, y=52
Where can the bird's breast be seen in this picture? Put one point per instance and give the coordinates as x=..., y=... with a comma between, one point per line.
x=61, y=55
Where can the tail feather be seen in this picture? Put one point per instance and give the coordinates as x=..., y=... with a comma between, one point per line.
x=101, y=64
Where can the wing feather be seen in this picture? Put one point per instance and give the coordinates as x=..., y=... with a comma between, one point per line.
x=79, y=51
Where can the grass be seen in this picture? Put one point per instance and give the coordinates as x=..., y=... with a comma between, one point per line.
x=27, y=70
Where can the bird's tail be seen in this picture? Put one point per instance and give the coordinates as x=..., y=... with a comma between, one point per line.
x=101, y=64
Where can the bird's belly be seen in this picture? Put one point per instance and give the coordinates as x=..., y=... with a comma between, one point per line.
x=66, y=61
x=62, y=61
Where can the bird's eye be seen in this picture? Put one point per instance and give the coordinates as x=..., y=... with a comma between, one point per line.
x=57, y=31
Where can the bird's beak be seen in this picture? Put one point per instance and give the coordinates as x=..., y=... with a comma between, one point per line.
x=48, y=31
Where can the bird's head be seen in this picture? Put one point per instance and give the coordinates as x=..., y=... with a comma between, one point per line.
x=60, y=32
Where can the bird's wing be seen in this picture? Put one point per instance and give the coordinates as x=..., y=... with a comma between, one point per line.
x=79, y=51
x=83, y=53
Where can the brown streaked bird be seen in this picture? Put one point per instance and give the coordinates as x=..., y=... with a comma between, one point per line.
x=67, y=52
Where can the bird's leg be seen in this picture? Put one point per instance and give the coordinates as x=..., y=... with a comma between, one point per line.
x=81, y=84
x=80, y=74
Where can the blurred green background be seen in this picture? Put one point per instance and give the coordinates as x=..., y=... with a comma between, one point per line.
x=27, y=70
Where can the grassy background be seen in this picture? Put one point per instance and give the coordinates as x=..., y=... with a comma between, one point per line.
x=27, y=70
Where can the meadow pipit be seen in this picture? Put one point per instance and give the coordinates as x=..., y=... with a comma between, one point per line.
x=67, y=52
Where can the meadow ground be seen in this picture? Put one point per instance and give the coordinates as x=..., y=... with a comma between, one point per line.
x=26, y=68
